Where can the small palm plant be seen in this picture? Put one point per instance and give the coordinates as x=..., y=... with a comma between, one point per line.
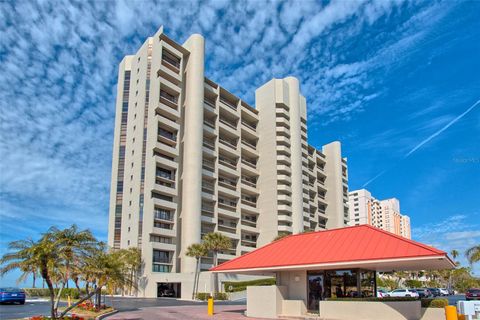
x=216, y=242
x=196, y=251
x=473, y=254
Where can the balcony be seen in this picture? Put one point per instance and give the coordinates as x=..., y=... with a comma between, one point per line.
x=250, y=144
x=208, y=187
x=232, y=164
x=227, y=204
x=209, y=123
x=249, y=201
x=249, y=221
x=230, y=143
x=166, y=137
x=230, y=124
x=209, y=144
x=250, y=163
x=169, y=99
x=251, y=126
x=171, y=61
x=249, y=181
x=227, y=183
x=208, y=165
x=229, y=104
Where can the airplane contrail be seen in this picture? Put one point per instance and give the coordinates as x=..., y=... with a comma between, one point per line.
x=418, y=146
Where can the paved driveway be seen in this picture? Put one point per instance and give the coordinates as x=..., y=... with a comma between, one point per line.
x=224, y=312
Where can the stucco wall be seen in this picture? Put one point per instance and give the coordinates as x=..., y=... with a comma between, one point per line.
x=365, y=310
x=265, y=301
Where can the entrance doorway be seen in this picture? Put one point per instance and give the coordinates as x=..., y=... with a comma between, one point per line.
x=169, y=289
x=315, y=291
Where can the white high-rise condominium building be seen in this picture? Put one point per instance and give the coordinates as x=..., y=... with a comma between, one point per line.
x=383, y=214
x=191, y=158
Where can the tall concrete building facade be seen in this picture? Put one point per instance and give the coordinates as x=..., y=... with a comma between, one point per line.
x=191, y=158
x=383, y=214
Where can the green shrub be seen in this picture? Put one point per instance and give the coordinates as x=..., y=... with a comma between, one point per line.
x=374, y=299
x=218, y=296
x=434, y=303
x=43, y=292
x=234, y=286
x=221, y=296
x=203, y=296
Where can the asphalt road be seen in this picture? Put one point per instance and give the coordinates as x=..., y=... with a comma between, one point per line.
x=29, y=309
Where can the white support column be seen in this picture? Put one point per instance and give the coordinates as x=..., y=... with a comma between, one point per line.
x=192, y=149
x=296, y=154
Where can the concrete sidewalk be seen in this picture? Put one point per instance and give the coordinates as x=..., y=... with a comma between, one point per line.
x=184, y=313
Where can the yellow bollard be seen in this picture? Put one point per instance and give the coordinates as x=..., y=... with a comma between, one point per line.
x=210, y=306
x=69, y=301
x=451, y=313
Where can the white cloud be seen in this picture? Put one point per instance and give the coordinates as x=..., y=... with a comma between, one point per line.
x=59, y=66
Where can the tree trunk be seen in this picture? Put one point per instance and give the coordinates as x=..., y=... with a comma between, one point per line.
x=198, y=274
x=46, y=279
x=215, y=275
x=59, y=294
x=34, y=278
x=195, y=280
x=77, y=303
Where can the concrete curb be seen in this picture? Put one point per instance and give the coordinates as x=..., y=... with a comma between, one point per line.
x=103, y=316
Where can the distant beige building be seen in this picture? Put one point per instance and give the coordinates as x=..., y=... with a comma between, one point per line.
x=383, y=214
x=191, y=158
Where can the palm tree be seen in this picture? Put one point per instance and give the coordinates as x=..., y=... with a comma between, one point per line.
x=133, y=261
x=196, y=251
x=216, y=242
x=72, y=245
x=473, y=254
x=101, y=269
x=22, y=259
x=454, y=253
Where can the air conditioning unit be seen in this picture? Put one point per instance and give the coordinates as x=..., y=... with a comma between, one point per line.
x=468, y=308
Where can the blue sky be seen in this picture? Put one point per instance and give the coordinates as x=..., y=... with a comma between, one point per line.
x=384, y=77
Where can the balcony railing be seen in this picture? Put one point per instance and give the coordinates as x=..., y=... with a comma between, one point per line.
x=228, y=162
x=249, y=144
x=208, y=165
x=249, y=163
x=209, y=124
x=229, y=143
x=251, y=126
x=230, y=183
x=167, y=134
x=209, y=103
x=165, y=175
x=228, y=104
x=208, y=187
x=228, y=123
x=249, y=181
x=227, y=203
x=168, y=99
x=173, y=61
x=249, y=202
x=163, y=215
x=209, y=144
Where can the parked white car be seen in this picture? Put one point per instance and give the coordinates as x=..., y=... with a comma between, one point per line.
x=403, y=293
x=444, y=291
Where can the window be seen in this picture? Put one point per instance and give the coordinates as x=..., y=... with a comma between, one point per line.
x=160, y=239
x=161, y=261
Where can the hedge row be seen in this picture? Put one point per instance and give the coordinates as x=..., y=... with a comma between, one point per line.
x=234, y=286
x=374, y=299
x=44, y=292
x=434, y=303
x=218, y=296
x=426, y=303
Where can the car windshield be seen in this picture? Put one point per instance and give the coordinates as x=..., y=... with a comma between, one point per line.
x=474, y=290
x=11, y=290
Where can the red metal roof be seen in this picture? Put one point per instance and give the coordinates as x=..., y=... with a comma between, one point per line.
x=358, y=243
